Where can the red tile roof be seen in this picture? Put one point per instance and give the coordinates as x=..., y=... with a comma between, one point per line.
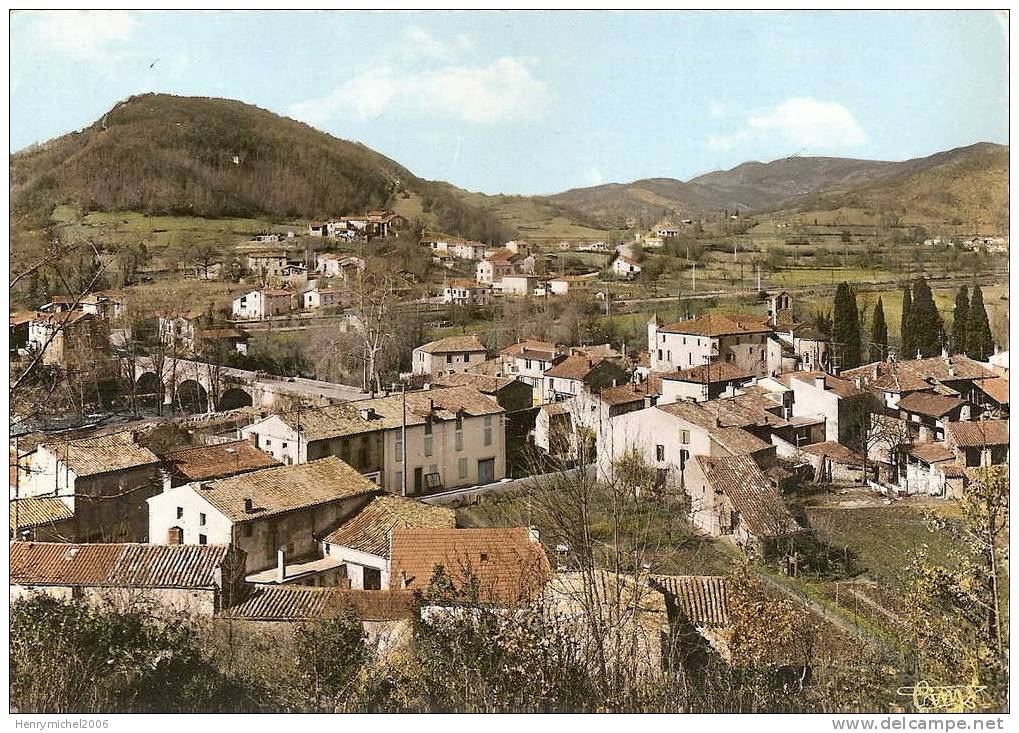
x=297, y=603
x=719, y=371
x=217, y=461
x=507, y=564
x=702, y=599
x=931, y=452
x=719, y=324
x=976, y=433
x=836, y=452
x=932, y=405
x=116, y=565
x=996, y=389
x=452, y=344
x=759, y=504
x=369, y=530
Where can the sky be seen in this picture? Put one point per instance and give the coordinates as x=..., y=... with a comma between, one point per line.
x=538, y=102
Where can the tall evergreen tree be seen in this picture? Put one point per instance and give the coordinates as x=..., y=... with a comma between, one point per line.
x=979, y=344
x=846, y=327
x=960, y=317
x=906, y=348
x=878, y=333
x=924, y=321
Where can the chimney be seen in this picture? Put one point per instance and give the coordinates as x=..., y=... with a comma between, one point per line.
x=819, y=382
x=367, y=413
x=403, y=580
x=535, y=534
x=281, y=565
x=249, y=505
x=858, y=381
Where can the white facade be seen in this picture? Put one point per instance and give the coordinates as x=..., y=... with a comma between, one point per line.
x=452, y=362
x=488, y=272
x=262, y=304
x=518, y=284
x=326, y=298
x=463, y=293
x=625, y=267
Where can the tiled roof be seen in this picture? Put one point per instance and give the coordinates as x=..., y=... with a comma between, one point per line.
x=931, y=452
x=298, y=603
x=533, y=349
x=102, y=454
x=719, y=324
x=216, y=461
x=738, y=441
x=996, y=389
x=507, y=564
x=836, y=452
x=466, y=284
x=119, y=565
x=484, y=383
x=369, y=529
x=629, y=392
x=501, y=255
x=20, y=317
x=452, y=344
x=760, y=506
x=345, y=419
x=702, y=599
x=285, y=488
x=975, y=433
x=33, y=511
x=838, y=385
x=718, y=371
x=947, y=368
x=577, y=366
x=925, y=403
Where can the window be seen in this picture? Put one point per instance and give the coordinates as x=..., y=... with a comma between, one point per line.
x=459, y=440
x=428, y=445
x=249, y=529
x=397, y=480
x=659, y=354
x=488, y=430
x=684, y=437
x=362, y=457
x=449, y=358
x=180, y=512
x=428, y=426
x=689, y=358
x=659, y=452
x=527, y=363
x=461, y=466
x=203, y=540
x=399, y=450
x=201, y=519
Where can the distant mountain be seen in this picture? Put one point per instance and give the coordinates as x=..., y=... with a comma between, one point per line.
x=799, y=181
x=162, y=154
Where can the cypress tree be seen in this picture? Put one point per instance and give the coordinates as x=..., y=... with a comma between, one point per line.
x=959, y=320
x=846, y=328
x=925, y=321
x=979, y=344
x=878, y=334
x=906, y=348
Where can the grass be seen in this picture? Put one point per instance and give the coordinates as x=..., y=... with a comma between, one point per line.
x=673, y=547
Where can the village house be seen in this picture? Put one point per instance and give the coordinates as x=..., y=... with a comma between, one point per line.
x=448, y=355
x=180, y=327
x=267, y=264
x=992, y=396
x=843, y=406
x=217, y=341
x=927, y=414
x=468, y=250
x=329, y=264
x=506, y=566
x=528, y=360
x=948, y=375
x=571, y=284
x=362, y=542
x=265, y=303
x=978, y=443
x=105, y=305
x=625, y=267
x=41, y=519
x=835, y=463
x=319, y=297
x=20, y=325
x=578, y=373
x=64, y=336
x=207, y=462
x=103, y=480
x=273, y=514
x=455, y=437
x=921, y=468
x=511, y=394
x=517, y=284
x=811, y=348
x=742, y=340
x=466, y=293
x=496, y=266
x=167, y=581
x=704, y=382
x=732, y=496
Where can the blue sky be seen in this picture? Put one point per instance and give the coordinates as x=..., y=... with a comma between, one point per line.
x=538, y=102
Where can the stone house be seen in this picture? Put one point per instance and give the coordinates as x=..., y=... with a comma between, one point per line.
x=511, y=394
x=165, y=580
x=65, y=335
x=319, y=297
x=927, y=414
x=844, y=406
x=103, y=480
x=267, y=264
x=466, y=292
x=978, y=443
x=264, y=303
x=527, y=362
x=517, y=284
x=743, y=340
x=448, y=355
x=496, y=266
x=578, y=373
x=704, y=382
x=270, y=514
x=207, y=462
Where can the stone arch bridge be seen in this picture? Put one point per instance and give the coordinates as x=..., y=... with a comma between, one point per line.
x=197, y=386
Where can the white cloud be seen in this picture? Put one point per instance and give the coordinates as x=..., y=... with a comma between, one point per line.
x=83, y=34
x=800, y=122
x=812, y=124
x=416, y=42
x=504, y=90
x=593, y=176
x=716, y=109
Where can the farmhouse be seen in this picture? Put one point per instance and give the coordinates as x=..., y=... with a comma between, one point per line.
x=626, y=267
x=742, y=340
x=448, y=355
x=265, y=303
x=466, y=293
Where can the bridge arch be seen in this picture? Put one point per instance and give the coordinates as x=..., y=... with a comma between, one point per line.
x=192, y=397
x=234, y=398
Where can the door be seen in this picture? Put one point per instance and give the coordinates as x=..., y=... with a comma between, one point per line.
x=372, y=579
x=486, y=471
x=418, y=480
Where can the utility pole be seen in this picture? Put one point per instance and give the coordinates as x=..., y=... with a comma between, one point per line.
x=693, y=274
x=403, y=440
x=758, y=277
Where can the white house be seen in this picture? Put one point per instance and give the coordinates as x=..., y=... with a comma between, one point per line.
x=623, y=266
x=742, y=340
x=264, y=303
x=841, y=403
x=330, y=264
x=495, y=266
x=263, y=513
x=448, y=355
x=517, y=284
x=362, y=542
x=527, y=361
x=466, y=292
x=319, y=297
